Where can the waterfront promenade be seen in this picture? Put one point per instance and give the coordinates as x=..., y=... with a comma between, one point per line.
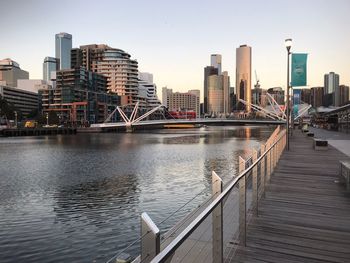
x=305, y=216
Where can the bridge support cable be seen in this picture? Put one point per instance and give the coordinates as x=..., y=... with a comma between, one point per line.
x=302, y=112
x=147, y=114
x=279, y=106
x=269, y=114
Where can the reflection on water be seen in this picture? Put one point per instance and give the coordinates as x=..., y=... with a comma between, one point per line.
x=78, y=198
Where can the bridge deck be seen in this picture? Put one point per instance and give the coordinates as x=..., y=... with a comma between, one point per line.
x=305, y=216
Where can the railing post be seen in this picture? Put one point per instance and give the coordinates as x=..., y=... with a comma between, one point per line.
x=150, y=239
x=262, y=169
x=242, y=203
x=217, y=216
x=268, y=164
x=255, y=182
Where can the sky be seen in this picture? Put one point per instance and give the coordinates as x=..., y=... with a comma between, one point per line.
x=173, y=40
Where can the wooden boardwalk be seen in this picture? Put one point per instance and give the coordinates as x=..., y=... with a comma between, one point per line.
x=305, y=216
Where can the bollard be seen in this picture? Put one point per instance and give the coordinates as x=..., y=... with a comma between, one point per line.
x=217, y=215
x=150, y=241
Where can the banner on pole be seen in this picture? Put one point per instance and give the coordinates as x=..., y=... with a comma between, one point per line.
x=298, y=70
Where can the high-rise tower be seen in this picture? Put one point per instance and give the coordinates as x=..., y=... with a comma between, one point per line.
x=49, y=66
x=243, y=74
x=63, y=45
x=215, y=61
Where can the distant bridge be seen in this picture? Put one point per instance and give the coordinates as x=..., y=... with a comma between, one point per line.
x=207, y=121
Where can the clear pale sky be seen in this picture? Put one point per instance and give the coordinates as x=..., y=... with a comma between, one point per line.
x=174, y=39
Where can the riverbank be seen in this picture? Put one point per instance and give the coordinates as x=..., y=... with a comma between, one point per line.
x=36, y=131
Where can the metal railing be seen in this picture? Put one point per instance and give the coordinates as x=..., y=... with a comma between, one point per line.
x=215, y=238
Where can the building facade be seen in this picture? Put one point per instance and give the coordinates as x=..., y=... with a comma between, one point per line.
x=33, y=85
x=317, y=96
x=278, y=94
x=216, y=62
x=331, y=82
x=25, y=101
x=49, y=66
x=115, y=64
x=10, y=72
x=243, y=74
x=148, y=90
x=63, y=46
x=181, y=101
x=344, y=94
x=215, y=95
x=208, y=71
x=80, y=97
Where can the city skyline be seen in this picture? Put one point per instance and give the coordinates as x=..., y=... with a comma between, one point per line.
x=175, y=45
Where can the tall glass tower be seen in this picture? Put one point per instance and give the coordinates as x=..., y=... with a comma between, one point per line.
x=63, y=46
x=243, y=74
x=215, y=61
x=49, y=66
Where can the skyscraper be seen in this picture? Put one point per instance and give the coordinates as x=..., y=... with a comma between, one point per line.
x=331, y=89
x=215, y=61
x=215, y=94
x=63, y=46
x=49, y=66
x=208, y=71
x=226, y=88
x=243, y=74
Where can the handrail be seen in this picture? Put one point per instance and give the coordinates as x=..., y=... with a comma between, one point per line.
x=171, y=248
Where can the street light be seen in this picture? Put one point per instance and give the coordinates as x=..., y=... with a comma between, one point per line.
x=288, y=43
x=47, y=119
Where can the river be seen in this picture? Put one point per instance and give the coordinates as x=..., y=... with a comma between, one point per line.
x=78, y=198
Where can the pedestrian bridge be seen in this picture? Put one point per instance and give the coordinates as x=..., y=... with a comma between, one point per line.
x=202, y=121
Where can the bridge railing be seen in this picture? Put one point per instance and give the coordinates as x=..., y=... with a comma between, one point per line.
x=214, y=231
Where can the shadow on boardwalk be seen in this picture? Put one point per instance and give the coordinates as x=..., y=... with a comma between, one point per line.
x=305, y=216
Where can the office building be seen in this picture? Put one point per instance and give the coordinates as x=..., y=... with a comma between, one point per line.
x=10, y=72
x=331, y=82
x=23, y=100
x=344, y=95
x=216, y=61
x=115, y=64
x=208, y=71
x=226, y=90
x=63, y=46
x=33, y=85
x=278, y=94
x=197, y=93
x=317, y=97
x=243, y=74
x=148, y=90
x=49, y=66
x=181, y=101
x=80, y=97
x=259, y=97
x=215, y=95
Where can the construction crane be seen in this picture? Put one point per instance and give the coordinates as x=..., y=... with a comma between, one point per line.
x=257, y=85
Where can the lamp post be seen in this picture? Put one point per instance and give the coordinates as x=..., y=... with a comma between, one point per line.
x=288, y=43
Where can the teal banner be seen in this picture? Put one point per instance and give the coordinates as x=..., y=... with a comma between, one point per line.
x=298, y=70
